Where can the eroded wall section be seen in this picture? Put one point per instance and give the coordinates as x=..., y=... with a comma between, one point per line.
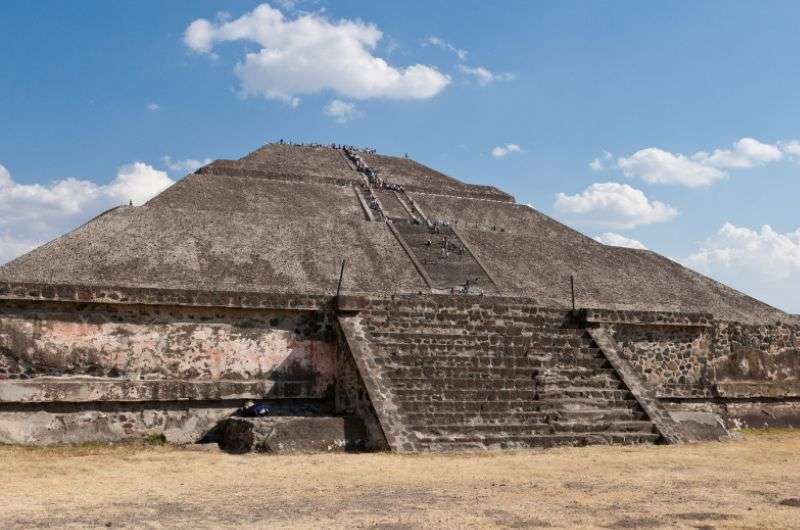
x=128, y=370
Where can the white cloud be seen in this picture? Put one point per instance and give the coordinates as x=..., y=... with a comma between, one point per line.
x=444, y=45
x=33, y=213
x=761, y=261
x=700, y=169
x=657, y=166
x=746, y=153
x=187, y=166
x=502, y=150
x=617, y=240
x=341, y=111
x=153, y=107
x=613, y=205
x=790, y=147
x=483, y=76
x=310, y=54
x=599, y=163
x=757, y=252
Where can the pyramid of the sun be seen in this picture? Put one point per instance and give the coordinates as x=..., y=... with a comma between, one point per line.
x=453, y=328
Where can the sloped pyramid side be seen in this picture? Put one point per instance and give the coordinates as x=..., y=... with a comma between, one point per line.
x=282, y=218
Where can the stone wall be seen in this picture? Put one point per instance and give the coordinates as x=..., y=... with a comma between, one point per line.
x=746, y=372
x=673, y=359
x=769, y=352
x=128, y=369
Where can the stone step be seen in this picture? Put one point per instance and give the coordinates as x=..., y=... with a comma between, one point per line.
x=459, y=383
x=515, y=349
x=476, y=417
x=480, y=361
x=585, y=393
x=494, y=372
x=484, y=429
x=586, y=404
x=549, y=382
x=535, y=417
x=462, y=394
x=470, y=407
x=473, y=310
x=579, y=373
x=507, y=336
x=480, y=443
x=642, y=426
x=608, y=414
x=529, y=429
x=532, y=326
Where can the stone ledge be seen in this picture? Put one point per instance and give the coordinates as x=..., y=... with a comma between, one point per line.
x=236, y=168
x=162, y=296
x=356, y=302
x=675, y=391
x=759, y=389
x=84, y=390
x=647, y=318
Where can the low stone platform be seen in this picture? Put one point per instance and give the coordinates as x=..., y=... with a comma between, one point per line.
x=290, y=434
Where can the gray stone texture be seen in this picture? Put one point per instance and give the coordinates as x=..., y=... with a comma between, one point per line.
x=276, y=434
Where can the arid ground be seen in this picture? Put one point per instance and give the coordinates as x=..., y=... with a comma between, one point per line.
x=751, y=483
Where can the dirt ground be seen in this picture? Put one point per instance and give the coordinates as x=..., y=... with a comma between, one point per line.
x=752, y=483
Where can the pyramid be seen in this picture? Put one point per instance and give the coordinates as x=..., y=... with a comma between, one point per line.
x=567, y=340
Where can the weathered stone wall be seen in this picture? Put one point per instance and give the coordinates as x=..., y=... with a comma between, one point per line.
x=748, y=373
x=124, y=370
x=156, y=342
x=673, y=359
x=769, y=352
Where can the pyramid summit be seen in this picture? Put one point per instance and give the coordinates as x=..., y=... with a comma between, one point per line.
x=347, y=287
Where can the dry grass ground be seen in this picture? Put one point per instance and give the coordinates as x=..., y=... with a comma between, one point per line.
x=754, y=483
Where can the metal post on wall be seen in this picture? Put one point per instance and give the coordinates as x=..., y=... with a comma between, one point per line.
x=341, y=276
x=572, y=290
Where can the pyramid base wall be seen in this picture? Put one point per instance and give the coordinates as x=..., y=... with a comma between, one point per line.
x=75, y=372
x=87, y=372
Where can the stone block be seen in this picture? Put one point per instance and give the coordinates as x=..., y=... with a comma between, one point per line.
x=280, y=434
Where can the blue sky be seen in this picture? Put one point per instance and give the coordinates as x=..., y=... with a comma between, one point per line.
x=690, y=110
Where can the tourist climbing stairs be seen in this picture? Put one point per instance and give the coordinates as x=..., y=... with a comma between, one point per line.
x=444, y=256
x=472, y=373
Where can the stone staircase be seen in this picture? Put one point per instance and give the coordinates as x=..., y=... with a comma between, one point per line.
x=475, y=375
x=449, y=269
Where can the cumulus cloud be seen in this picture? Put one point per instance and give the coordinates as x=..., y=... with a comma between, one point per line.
x=188, y=165
x=483, y=76
x=310, y=54
x=758, y=252
x=700, y=169
x=662, y=167
x=503, y=150
x=444, y=45
x=618, y=240
x=746, y=153
x=153, y=107
x=599, y=163
x=612, y=205
x=340, y=111
x=790, y=147
x=31, y=214
x=763, y=262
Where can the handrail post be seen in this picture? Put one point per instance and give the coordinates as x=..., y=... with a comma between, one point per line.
x=572, y=291
x=339, y=286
